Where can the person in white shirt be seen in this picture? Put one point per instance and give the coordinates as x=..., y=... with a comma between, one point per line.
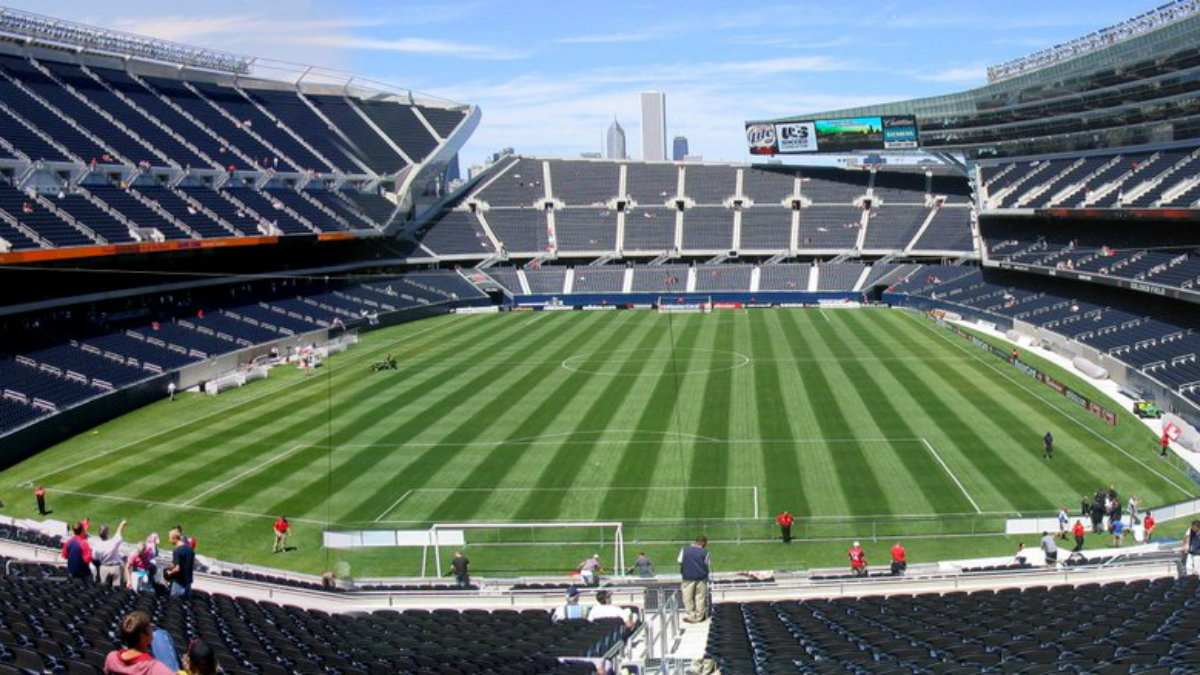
x=606, y=610
x=106, y=554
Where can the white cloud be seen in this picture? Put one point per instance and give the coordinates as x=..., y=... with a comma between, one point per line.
x=606, y=38
x=412, y=45
x=182, y=28
x=972, y=74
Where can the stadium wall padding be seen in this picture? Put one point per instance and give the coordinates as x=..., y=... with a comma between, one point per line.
x=765, y=297
x=33, y=438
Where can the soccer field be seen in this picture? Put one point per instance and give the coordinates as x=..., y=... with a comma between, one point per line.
x=861, y=422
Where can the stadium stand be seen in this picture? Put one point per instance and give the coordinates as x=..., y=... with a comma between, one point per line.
x=649, y=230
x=652, y=184
x=708, y=229
x=455, y=233
x=767, y=186
x=606, y=279
x=709, y=184
x=967, y=632
x=784, y=277
x=585, y=230
x=584, y=183
x=766, y=229
x=523, y=230
x=893, y=227
x=831, y=227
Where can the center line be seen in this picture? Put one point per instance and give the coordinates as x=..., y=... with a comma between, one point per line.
x=951, y=473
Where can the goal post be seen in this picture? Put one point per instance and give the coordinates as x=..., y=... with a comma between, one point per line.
x=598, y=533
x=684, y=304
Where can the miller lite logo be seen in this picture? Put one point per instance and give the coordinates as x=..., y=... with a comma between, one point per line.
x=760, y=135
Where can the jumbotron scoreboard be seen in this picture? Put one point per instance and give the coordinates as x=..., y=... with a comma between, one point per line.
x=847, y=134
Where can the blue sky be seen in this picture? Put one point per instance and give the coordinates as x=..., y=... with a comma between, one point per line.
x=550, y=76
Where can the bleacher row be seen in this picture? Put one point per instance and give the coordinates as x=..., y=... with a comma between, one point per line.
x=1139, y=179
x=673, y=279
x=1164, y=345
x=701, y=209
x=1143, y=626
x=38, y=382
x=121, y=124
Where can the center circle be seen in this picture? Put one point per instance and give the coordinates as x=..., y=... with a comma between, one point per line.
x=610, y=362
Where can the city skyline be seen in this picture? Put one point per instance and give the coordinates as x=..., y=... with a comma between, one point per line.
x=614, y=142
x=654, y=126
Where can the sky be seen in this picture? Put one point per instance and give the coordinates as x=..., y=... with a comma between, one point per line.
x=550, y=76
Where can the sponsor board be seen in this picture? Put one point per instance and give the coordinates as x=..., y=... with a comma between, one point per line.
x=762, y=139
x=796, y=137
x=760, y=305
x=727, y=305
x=492, y=309
x=638, y=305
x=524, y=308
x=599, y=308
x=794, y=305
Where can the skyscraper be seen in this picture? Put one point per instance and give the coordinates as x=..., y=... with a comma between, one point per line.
x=614, y=147
x=654, y=126
x=679, y=148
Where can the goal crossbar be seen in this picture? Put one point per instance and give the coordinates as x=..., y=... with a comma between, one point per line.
x=435, y=530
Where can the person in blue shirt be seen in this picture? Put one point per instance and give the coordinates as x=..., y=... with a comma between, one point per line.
x=1048, y=440
x=1118, y=530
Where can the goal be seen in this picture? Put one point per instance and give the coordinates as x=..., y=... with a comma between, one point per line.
x=684, y=304
x=597, y=535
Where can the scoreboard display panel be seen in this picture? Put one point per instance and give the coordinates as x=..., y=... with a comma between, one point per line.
x=846, y=134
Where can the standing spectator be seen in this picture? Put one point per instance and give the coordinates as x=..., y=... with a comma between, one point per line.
x=40, y=493
x=200, y=659
x=1050, y=549
x=1098, y=514
x=572, y=609
x=1191, y=549
x=107, y=556
x=1132, y=507
x=136, y=633
x=1118, y=531
x=899, y=561
x=590, y=570
x=137, y=569
x=282, y=528
x=1085, y=508
x=78, y=554
x=171, y=390
x=694, y=568
x=183, y=561
x=643, y=565
x=459, y=566
x=785, y=521
x=1165, y=442
x=858, y=560
x=1048, y=441
x=1148, y=525
x=1063, y=519
x=1079, y=529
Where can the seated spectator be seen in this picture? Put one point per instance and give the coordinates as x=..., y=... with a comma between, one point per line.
x=200, y=659
x=571, y=610
x=135, y=633
x=604, y=609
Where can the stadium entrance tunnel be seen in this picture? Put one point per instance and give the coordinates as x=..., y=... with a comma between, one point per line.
x=654, y=362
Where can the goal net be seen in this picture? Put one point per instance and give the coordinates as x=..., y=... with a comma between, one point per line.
x=684, y=304
x=599, y=537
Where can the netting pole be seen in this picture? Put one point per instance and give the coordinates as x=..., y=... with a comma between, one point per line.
x=437, y=552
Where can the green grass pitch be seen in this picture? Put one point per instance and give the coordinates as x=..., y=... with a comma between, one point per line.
x=868, y=423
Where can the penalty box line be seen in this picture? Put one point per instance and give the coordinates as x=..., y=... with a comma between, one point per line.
x=655, y=488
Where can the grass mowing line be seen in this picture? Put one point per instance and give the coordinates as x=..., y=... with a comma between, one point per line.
x=254, y=469
x=1060, y=411
x=392, y=507
x=701, y=440
x=216, y=412
x=191, y=507
x=565, y=434
x=879, y=518
x=954, y=478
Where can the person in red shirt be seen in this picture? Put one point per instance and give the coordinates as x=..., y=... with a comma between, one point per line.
x=858, y=560
x=282, y=526
x=78, y=554
x=899, y=563
x=1148, y=524
x=1078, y=531
x=1165, y=442
x=785, y=521
x=40, y=493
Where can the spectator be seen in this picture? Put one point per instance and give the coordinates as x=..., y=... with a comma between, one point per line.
x=590, y=571
x=40, y=493
x=183, y=561
x=136, y=633
x=1063, y=519
x=694, y=568
x=137, y=569
x=1132, y=507
x=643, y=565
x=785, y=521
x=1118, y=531
x=200, y=659
x=107, y=556
x=459, y=566
x=1078, y=531
x=1191, y=549
x=282, y=527
x=1148, y=525
x=604, y=609
x=899, y=561
x=571, y=610
x=1050, y=549
x=1020, y=558
x=78, y=554
x=1085, y=507
x=858, y=560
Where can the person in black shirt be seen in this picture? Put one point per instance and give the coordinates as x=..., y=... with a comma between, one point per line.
x=459, y=567
x=183, y=562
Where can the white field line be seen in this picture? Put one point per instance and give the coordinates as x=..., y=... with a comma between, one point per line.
x=756, y=502
x=979, y=357
x=951, y=474
x=219, y=411
x=888, y=517
x=824, y=315
x=393, y=506
x=698, y=441
x=254, y=469
x=540, y=316
x=611, y=431
x=150, y=502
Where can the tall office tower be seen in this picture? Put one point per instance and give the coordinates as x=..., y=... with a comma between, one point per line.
x=615, y=143
x=679, y=148
x=654, y=126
